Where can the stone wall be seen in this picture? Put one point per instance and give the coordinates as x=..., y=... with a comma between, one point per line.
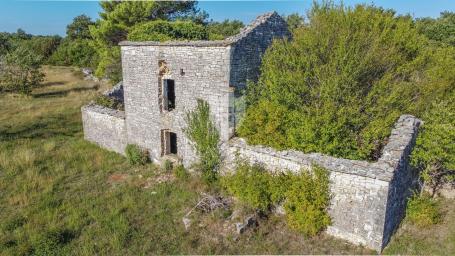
x=368, y=199
x=250, y=44
x=105, y=127
x=198, y=73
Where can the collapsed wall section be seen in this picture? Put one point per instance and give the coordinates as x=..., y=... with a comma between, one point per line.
x=368, y=199
x=105, y=127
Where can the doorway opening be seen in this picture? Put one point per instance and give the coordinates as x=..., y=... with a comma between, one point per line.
x=168, y=143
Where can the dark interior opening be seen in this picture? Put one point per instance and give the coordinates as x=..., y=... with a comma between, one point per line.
x=170, y=94
x=173, y=144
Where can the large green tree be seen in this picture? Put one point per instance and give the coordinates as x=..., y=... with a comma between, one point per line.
x=119, y=18
x=441, y=29
x=342, y=82
x=79, y=28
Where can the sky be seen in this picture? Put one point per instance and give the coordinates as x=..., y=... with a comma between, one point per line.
x=51, y=17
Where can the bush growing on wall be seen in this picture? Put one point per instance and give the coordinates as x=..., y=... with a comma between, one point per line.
x=342, y=82
x=161, y=30
x=205, y=138
x=306, y=195
x=136, y=155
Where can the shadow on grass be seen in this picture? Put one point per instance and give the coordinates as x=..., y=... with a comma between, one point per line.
x=64, y=92
x=44, y=128
x=54, y=83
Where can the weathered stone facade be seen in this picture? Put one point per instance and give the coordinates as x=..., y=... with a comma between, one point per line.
x=162, y=81
x=207, y=70
x=368, y=199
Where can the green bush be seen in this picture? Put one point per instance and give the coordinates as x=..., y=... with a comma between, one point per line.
x=51, y=242
x=305, y=195
x=20, y=71
x=78, y=52
x=161, y=30
x=434, y=152
x=136, y=155
x=307, y=200
x=181, y=173
x=342, y=82
x=422, y=210
x=252, y=185
x=168, y=166
x=109, y=102
x=204, y=135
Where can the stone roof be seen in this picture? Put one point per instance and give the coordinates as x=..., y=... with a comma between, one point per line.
x=205, y=43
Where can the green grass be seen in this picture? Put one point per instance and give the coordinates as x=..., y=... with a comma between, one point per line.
x=58, y=195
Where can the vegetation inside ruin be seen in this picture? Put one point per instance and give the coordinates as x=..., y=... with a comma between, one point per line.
x=345, y=78
x=109, y=102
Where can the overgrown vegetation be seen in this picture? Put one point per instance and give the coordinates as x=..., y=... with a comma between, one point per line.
x=109, y=102
x=161, y=30
x=306, y=195
x=205, y=138
x=342, y=82
x=136, y=155
x=434, y=154
x=422, y=210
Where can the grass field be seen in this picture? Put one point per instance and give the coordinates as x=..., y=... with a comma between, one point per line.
x=62, y=195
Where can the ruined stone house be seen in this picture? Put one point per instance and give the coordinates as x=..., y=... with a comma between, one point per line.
x=162, y=81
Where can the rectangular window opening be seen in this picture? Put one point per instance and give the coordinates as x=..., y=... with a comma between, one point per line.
x=168, y=94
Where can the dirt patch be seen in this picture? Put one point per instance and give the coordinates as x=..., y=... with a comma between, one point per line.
x=118, y=178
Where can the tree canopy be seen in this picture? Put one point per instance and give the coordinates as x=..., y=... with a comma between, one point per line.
x=342, y=82
x=79, y=28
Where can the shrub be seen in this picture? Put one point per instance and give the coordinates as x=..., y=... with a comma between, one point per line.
x=136, y=155
x=205, y=138
x=306, y=195
x=181, y=173
x=307, y=200
x=109, y=102
x=79, y=53
x=422, y=210
x=20, y=71
x=434, y=153
x=341, y=83
x=252, y=185
x=168, y=165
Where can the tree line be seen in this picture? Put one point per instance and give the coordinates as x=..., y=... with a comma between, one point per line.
x=94, y=44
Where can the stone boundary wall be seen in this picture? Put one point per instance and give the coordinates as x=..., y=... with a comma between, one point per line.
x=105, y=127
x=368, y=198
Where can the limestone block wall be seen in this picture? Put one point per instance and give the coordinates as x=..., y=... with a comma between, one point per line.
x=368, y=198
x=199, y=72
x=250, y=45
x=105, y=127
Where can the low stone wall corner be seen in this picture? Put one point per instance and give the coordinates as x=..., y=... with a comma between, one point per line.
x=105, y=127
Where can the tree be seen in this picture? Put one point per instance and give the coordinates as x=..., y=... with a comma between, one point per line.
x=226, y=28
x=117, y=20
x=78, y=52
x=341, y=83
x=440, y=30
x=295, y=21
x=79, y=28
x=161, y=30
x=20, y=71
x=434, y=153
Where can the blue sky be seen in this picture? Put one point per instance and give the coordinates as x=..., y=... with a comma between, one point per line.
x=51, y=17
